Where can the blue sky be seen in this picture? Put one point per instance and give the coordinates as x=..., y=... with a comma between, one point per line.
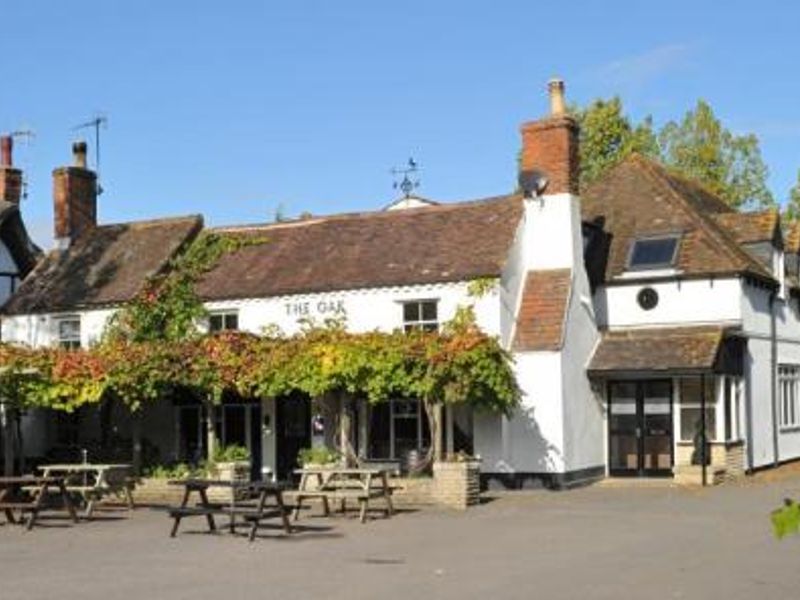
x=232, y=109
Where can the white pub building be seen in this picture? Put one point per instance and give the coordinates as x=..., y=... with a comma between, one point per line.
x=638, y=312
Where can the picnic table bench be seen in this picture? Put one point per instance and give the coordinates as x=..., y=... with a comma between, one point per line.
x=92, y=482
x=343, y=484
x=249, y=511
x=30, y=494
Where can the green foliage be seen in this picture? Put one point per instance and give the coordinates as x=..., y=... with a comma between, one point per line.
x=792, y=210
x=482, y=286
x=460, y=364
x=786, y=520
x=176, y=471
x=608, y=136
x=231, y=453
x=697, y=147
x=700, y=147
x=318, y=455
x=168, y=307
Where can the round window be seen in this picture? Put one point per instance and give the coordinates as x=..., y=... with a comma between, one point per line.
x=647, y=298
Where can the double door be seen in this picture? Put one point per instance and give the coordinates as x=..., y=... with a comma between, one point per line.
x=640, y=428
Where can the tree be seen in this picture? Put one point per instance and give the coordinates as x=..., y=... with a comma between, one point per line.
x=608, y=136
x=792, y=210
x=700, y=147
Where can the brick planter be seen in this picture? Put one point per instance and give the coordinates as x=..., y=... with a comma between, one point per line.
x=692, y=475
x=231, y=471
x=456, y=484
x=156, y=491
x=412, y=491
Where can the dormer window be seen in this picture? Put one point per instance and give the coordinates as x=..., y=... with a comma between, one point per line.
x=653, y=253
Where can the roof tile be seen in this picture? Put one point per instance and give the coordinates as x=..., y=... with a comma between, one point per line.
x=107, y=265
x=542, y=312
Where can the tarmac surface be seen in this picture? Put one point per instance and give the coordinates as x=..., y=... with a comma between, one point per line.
x=606, y=541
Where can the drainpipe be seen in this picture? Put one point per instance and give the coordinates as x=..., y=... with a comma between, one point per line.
x=773, y=340
x=703, y=441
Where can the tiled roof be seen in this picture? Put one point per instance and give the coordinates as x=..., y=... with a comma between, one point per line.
x=445, y=243
x=750, y=227
x=107, y=265
x=663, y=349
x=16, y=238
x=542, y=313
x=792, y=237
x=640, y=198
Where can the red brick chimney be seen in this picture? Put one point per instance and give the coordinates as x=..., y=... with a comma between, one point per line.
x=10, y=178
x=74, y=198
x=550, y=145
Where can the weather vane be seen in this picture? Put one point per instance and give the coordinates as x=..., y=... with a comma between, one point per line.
x=406, y=184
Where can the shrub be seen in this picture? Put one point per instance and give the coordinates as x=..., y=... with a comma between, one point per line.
x=232, y=453
x=319, y=455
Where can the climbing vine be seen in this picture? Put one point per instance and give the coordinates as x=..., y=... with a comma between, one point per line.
x=154, y=345
x=460, y=364
x=168, y=307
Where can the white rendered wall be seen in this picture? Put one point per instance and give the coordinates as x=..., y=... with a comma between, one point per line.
x=559, y=426
x=688, y=302
x=39, y=330
x=757, y=326
x=364, y=310
x=583, y=417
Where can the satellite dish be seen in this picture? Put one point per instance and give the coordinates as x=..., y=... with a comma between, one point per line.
x=532, y=183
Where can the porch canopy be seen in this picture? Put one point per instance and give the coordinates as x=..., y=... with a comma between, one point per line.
x=668, y=351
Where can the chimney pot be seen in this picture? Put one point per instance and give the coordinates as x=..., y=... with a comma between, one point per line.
x=550, y=146
x=556, y=89
x=10, y=178
x=6, y=151
x=79, y=154
x=74, y=198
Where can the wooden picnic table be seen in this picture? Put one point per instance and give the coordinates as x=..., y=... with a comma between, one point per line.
x=342, y=484
x=93, y=481
x=249, y=512
x=30, y=494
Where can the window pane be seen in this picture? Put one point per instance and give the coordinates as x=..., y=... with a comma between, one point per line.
x=428, y=311
x=649, y=253
x=232, y=321
x=691, y=421
x=215, y=323
x=788, y=381
x=411, y=311
x=68, y=330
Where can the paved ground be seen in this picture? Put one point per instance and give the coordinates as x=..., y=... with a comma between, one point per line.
x=597, y=542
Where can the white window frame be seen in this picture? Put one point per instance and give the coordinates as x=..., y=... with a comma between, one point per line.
x=68, y=342
x=421, y=323
x=224, y=315
x=788, y=397
x=712, y=404
x=729, y=399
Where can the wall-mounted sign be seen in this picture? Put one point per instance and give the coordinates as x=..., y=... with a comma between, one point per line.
x=314, y=308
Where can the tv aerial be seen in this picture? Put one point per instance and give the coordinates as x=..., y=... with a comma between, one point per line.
x=406, y=184
x=99, y=121
x=25, y=135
